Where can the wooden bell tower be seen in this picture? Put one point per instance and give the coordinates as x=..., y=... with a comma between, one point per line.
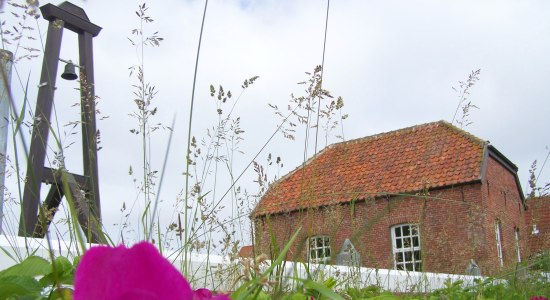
x=81, y=190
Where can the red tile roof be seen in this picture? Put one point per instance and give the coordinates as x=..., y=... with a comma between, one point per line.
x=246, y=251
x=407, y=160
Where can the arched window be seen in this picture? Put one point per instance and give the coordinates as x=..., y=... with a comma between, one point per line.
x=406, y=247
x=319, y=249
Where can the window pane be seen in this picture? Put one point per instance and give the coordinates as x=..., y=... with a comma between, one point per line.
x=327, y=252
x=416, y=255
x=399, y=243
x=406, y=231
x=319, y=243
x=399, y=257
x=407, y=243
x=414, y=229
x=418, y=267
x=408, y=256
x=397, y=231
x=409, y=266
x=416, y=241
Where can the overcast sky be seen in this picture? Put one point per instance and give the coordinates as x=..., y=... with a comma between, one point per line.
x=393, y=62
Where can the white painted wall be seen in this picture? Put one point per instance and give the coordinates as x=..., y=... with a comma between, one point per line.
x=221, y=274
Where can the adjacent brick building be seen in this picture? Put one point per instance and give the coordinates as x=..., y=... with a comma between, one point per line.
x=426, y=198
x=538, y=223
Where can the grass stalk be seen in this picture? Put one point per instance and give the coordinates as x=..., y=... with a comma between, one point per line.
x=189, y=130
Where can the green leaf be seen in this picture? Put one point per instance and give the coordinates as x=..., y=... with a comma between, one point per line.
x=385, y=296
x=260, y=296
x=32, y=266
x=61, y=294
x=366, y=292
x=62, y=273
x=296, y=296
x=282, y=255
x=12, y=286
x=330, y=283
x=323, y=290
x=76, y=260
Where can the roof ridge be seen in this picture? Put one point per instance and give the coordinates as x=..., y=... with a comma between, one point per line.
x=465, y=133
x=412, y=128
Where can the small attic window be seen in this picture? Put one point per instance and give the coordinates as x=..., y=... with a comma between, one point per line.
x=319, y=249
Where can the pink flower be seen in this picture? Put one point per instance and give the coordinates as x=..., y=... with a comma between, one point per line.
x=120, y=273
x=538, y=298
x=206, y=294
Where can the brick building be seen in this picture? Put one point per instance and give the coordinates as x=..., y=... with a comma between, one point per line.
x=538, y=223
x=426, y=198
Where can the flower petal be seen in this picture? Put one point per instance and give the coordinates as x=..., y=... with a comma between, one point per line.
x=206, y=294
x=121, y=273
x=202, y=294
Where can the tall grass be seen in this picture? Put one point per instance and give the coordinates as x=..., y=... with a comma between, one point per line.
x=145, y=93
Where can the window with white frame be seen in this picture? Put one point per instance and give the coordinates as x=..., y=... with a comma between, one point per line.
x=518, y=250
x=319, y=249
x=499, y=243
x=406, y=247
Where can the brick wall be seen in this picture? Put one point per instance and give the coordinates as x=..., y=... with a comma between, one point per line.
x=502, y=202
x=450, y=228
x=456, y=225
x=538, y=213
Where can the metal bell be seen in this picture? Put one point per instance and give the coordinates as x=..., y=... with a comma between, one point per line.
x=69, y=73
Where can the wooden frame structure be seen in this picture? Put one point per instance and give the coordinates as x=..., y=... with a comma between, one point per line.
x=81, y=191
